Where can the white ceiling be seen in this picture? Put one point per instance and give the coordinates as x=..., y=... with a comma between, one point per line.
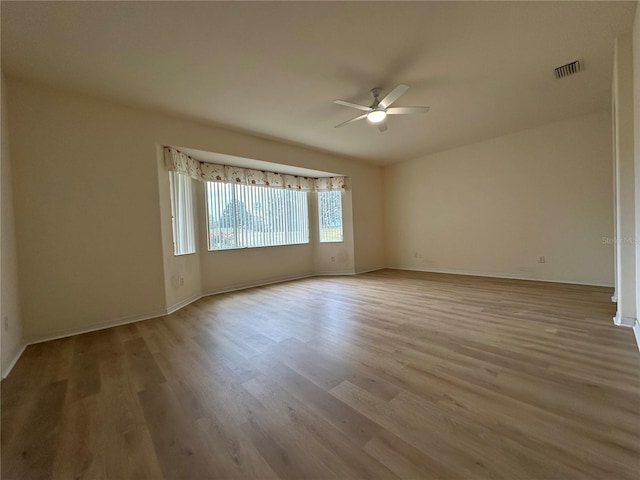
x=274, y=68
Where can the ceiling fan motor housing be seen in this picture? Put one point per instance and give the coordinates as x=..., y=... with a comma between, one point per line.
x=375, y=92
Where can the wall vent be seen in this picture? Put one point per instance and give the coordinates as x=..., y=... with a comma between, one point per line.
x=568, y=69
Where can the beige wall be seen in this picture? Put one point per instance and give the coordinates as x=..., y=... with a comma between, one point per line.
x=12, y=342
x=86, y=196
x=496, y=206
x=369, y=205
x=92, y=222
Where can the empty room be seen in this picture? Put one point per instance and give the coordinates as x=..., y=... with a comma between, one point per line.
x=320, y=240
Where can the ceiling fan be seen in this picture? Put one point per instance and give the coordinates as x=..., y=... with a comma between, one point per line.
x=379, y=109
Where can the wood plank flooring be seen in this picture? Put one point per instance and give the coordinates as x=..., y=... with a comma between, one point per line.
x=386, y=375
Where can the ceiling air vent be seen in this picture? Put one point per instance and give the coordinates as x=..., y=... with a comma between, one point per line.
x=568, y=69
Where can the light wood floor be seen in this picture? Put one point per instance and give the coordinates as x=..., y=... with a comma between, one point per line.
x=381, y=376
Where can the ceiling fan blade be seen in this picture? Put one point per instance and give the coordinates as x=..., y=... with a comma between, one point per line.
x=393, y=95
x=352, y=105
x=406, y=110
x=352, y=120
x=382, y=126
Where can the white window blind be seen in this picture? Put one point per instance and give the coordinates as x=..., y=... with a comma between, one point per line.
x=330, y=216
x=246, y=216
x=184, y=240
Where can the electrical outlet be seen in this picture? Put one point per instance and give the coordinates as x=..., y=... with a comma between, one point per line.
x=6, y=322
x=333, y=259
x=541, y=259
x=182, y=281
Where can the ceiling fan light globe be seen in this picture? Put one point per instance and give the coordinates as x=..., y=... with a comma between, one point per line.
x=376, y=116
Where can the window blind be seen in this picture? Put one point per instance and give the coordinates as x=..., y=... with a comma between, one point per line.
x=184, y=241
x=246, y=216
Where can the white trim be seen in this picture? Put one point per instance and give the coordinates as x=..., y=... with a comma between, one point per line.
x=636, y=332
x=370, y=270
x=6, y=371
x=336, y=273
x=183, y=303
x=621, y=321
x=472, y=273
x=614, y=298
x=95, y=327
x=328, y=273
x=256, y=284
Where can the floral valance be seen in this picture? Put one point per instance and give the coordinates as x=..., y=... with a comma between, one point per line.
x=211, y=172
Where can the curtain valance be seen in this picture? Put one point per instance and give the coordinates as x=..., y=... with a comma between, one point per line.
x=211, y=172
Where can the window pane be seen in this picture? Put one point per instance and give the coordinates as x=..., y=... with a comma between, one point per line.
x=245, y=216
x=330, y=216
x=221, y=216
x=184, y=239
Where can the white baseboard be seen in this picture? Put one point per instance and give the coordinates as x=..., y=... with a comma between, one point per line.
x=183, y=303
x=159, y=313
x=370, y=270
x=260, y=283
x=338, y=274
x=636, y=333
x=6, y=370
x=472, y=273
x=94, y=327
x=32, y=340
x=621, y=321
